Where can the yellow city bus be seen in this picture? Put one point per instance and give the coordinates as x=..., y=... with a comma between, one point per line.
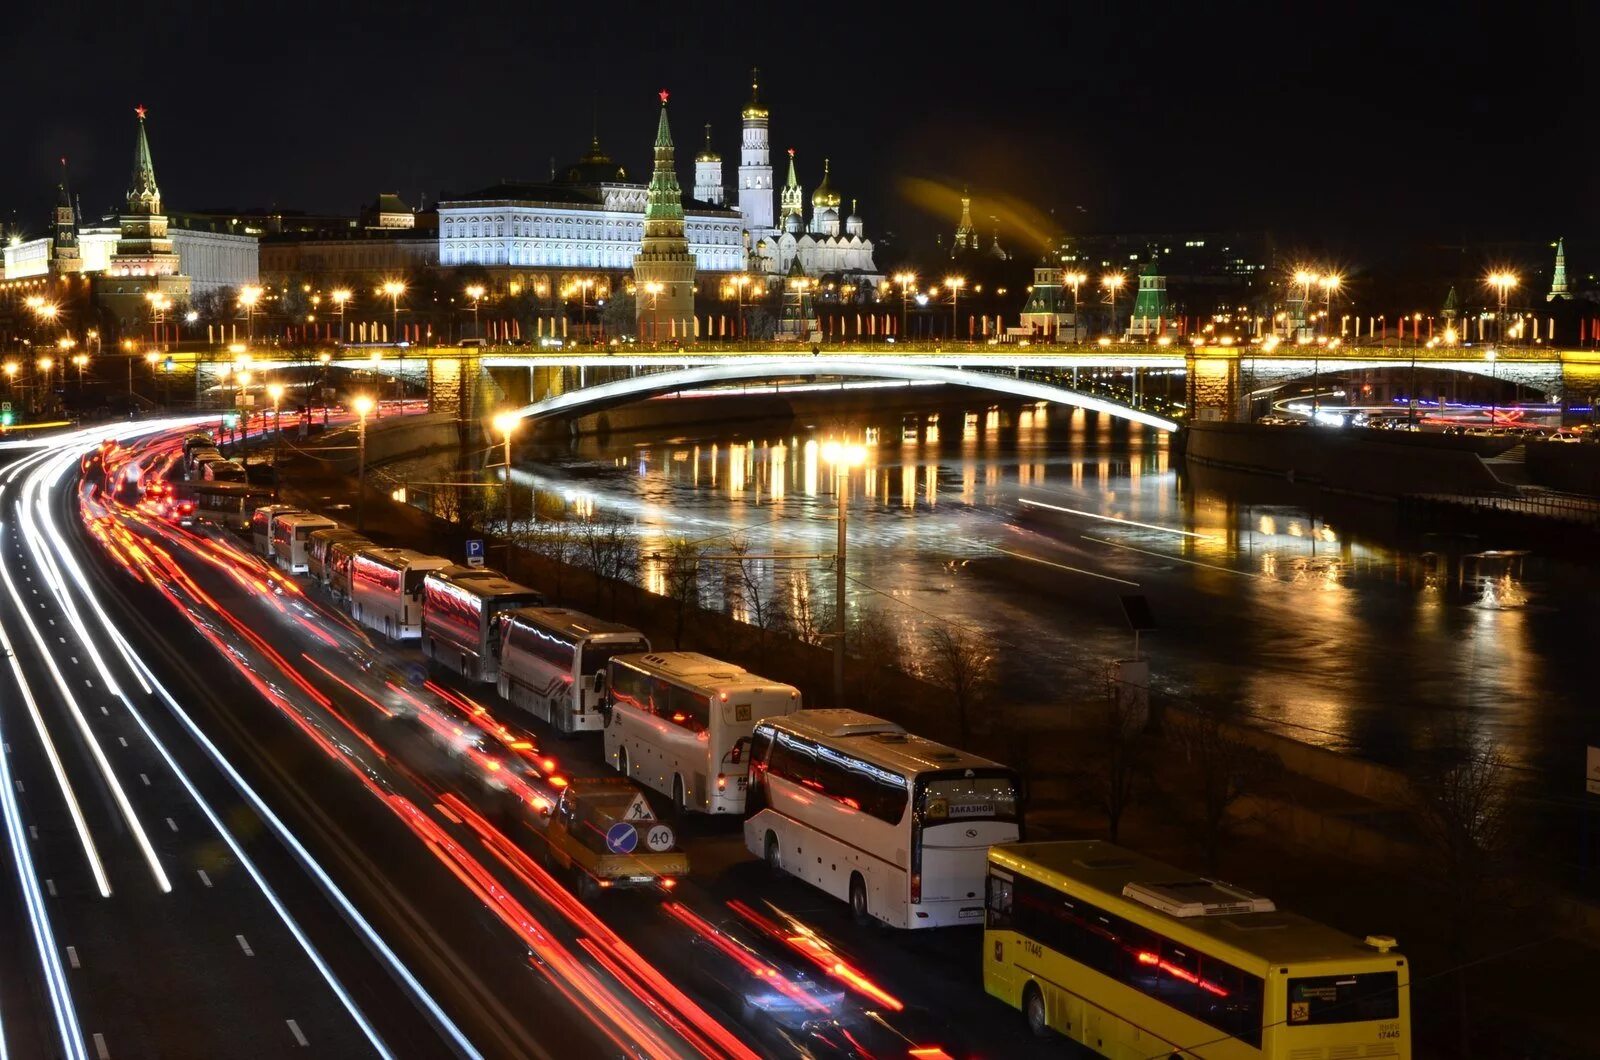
x=1135, y=959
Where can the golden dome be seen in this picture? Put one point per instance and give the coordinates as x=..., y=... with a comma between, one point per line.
x=825, y=195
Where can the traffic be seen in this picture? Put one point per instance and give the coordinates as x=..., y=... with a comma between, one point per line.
x=904, y=832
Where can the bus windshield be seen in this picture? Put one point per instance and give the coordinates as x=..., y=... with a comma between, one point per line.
x=1354, y=998
x=596, y=656
x=986, y=795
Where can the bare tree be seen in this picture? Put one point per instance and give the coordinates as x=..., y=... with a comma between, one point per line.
x=681, y=560
x=554, y=540
x=874, y=641
x=1120, y=743
x=1224, y=768
x=962, y=664
x=753, y=594
x=805, y=619
x=611, y=551
x=1462, y=801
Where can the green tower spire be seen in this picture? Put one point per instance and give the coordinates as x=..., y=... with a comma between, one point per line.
x=143, y=194
x=663, y=212
x=1558, y=281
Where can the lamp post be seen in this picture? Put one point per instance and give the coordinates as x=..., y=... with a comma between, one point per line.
x=654, y=289
x=1502, y=281
x=905, y=280
x=739, y=283
x=362, y=405
x=1075, y=280
x=1329, y=284
x=151, y=358
x=506, y=424
x=340, y=297
x=584, y=286
x=475, y=292
x=1494, y=392
x=78, y=361
x=1113, y=282
x=394, y=289
x=275, y=392
x=843, y=458
x=249, y=295
x=955, y=283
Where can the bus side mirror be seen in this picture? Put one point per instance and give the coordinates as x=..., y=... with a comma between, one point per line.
x=600, y=681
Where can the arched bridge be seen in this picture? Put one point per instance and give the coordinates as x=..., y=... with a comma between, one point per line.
x=596, y=396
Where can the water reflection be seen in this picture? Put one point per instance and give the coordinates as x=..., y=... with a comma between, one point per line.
x=1314, y=618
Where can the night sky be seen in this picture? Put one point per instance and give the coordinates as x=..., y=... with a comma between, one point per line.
x=1337, y=128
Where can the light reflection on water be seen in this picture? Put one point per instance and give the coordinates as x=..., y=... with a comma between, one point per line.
x=1297, y=616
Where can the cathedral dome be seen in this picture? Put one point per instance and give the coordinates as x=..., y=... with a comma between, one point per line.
x=755, y=108
x=596, y=167
x=825, y=196
x=708, y=153
x=793, y=224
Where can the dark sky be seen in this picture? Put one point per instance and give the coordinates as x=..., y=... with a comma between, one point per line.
x=1339, y=127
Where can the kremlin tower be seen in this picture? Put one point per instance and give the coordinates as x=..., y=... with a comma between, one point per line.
x=708, y=174
x=755, y=165
x=663, y=270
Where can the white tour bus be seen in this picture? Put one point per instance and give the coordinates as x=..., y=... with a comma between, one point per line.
x=894, y=824
x=261, y=521
x=291, y=534
x=461, y=607
x=680, y=722
x=553, y=663
x=226, y=504
x=319, y=566
x=386, y=589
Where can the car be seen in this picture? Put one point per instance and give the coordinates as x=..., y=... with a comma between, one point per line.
x=603, y=834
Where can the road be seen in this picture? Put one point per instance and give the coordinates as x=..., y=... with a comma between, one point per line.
x=385, y=848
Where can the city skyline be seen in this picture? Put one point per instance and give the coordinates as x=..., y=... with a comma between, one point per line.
x=1319, y=154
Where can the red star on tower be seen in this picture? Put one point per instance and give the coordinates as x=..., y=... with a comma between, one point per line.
x=139, y=110
x=663, y=95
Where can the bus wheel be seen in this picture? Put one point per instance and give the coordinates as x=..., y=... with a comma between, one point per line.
x=774, y=855
x=1033, y=1010
x=858, y=899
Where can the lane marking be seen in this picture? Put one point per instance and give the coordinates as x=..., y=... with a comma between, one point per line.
x=445, y=810
x=1174, y=559
x=72, y=956
x=105, y=710
x=1062, y=566
x=145, y=778
x=1114, y=519
x=123, y=740
x=243, y=945
x=172, y=824
x=50, y=885
x=100, y=1049
x=33, y=831
x=299, y=1036
x=203, y=877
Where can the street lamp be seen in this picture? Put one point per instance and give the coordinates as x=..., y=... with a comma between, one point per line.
x=1494, y=393
x=1329, y=284
x=340, y=297
x=45, y=364
x=78, y=361
x=249, y=295
x=362, y=404
x=955, y=283
x=1075, y=280
x=843, y=458
x=475, y=292
x=394, y=289
x=151, y=358
x=905, y=280
x=739, y=283
x=1502, y=281
x=275, y=392
x=654, y=289
x=1113, y=282
x=506, y=423
x=584, y=286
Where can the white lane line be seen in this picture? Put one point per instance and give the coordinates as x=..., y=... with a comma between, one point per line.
x=72, y=956
x=50, y=885
x=123, y=740
x=243, y=945
x=33, y=831
x=172, y=824
x=88, y=683
x=444, y=810
x=145, y=778
x=1174, y=559
x=299, y=1036
x=19, y=786
x=1063, y=566
x=74, y=659
x=105, y=710
x=100, y=1050
x=1114, y=519
x=203, y=877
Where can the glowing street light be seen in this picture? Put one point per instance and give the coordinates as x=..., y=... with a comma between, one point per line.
x=475, y=292
x=363, y=405
x=1502, y=281
x=1113, y=282
x=1329, y=284
x=842, y=457
x=654, y=289
x=905, y=280
x=1074, y=280
x=340, y=297
x=249, y=295
x=955, y=283
x=394, y=289
x=506, y=423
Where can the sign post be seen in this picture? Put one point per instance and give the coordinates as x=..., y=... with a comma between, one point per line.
x=475, y=552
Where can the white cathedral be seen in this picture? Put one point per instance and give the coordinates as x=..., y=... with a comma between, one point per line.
x=592, y=216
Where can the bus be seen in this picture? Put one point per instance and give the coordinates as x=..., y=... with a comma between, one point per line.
x=460, y=618
x=894, y=824
x=227, y=504
x=261, y=521
x=340, y=555
x=553, y=662
x=386, y=589
x=1128, y=956
x=224, y=471
x=318, y=556
x=680, y=722
x=290, y=534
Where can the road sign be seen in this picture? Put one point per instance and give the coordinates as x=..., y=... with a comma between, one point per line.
x=475, y=552
x=1591, y=782
x=659, y=838
x=5, y=406
x=621, y=838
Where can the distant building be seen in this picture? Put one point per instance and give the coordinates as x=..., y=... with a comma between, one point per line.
x=829, y=245
x=388, y=211
x=365, y=256
x=1049, y=309
x=966, y=237
x=1203, y=272
x=1558, y=280
x=663, y=268
x=1149, y=318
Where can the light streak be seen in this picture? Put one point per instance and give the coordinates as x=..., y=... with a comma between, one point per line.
x=1114, y=519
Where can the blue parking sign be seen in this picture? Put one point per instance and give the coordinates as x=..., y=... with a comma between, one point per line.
x=475, y=552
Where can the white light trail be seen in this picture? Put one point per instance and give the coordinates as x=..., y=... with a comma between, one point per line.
x=1114, y=519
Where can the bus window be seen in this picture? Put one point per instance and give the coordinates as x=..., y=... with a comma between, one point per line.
x=760, y=746
x=689, y=710
x=1344, y=998
x=595, y=656
x=792, y=760
x=631, y=687
x=999, y=903
x=988, y=796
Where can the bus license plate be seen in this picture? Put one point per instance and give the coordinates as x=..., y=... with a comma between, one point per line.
x=971, y=914
x=742, y=783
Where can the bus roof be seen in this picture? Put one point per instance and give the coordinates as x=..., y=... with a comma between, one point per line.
x=303, y=518
x=573, y=623
x=694, y=670
x=1100, y=872
x=491, y=583
x=880, y=742
x=231, y=487
x=457, y=571
x=399, y=557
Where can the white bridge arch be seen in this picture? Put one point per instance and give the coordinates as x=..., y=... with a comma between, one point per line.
x=620, y=391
